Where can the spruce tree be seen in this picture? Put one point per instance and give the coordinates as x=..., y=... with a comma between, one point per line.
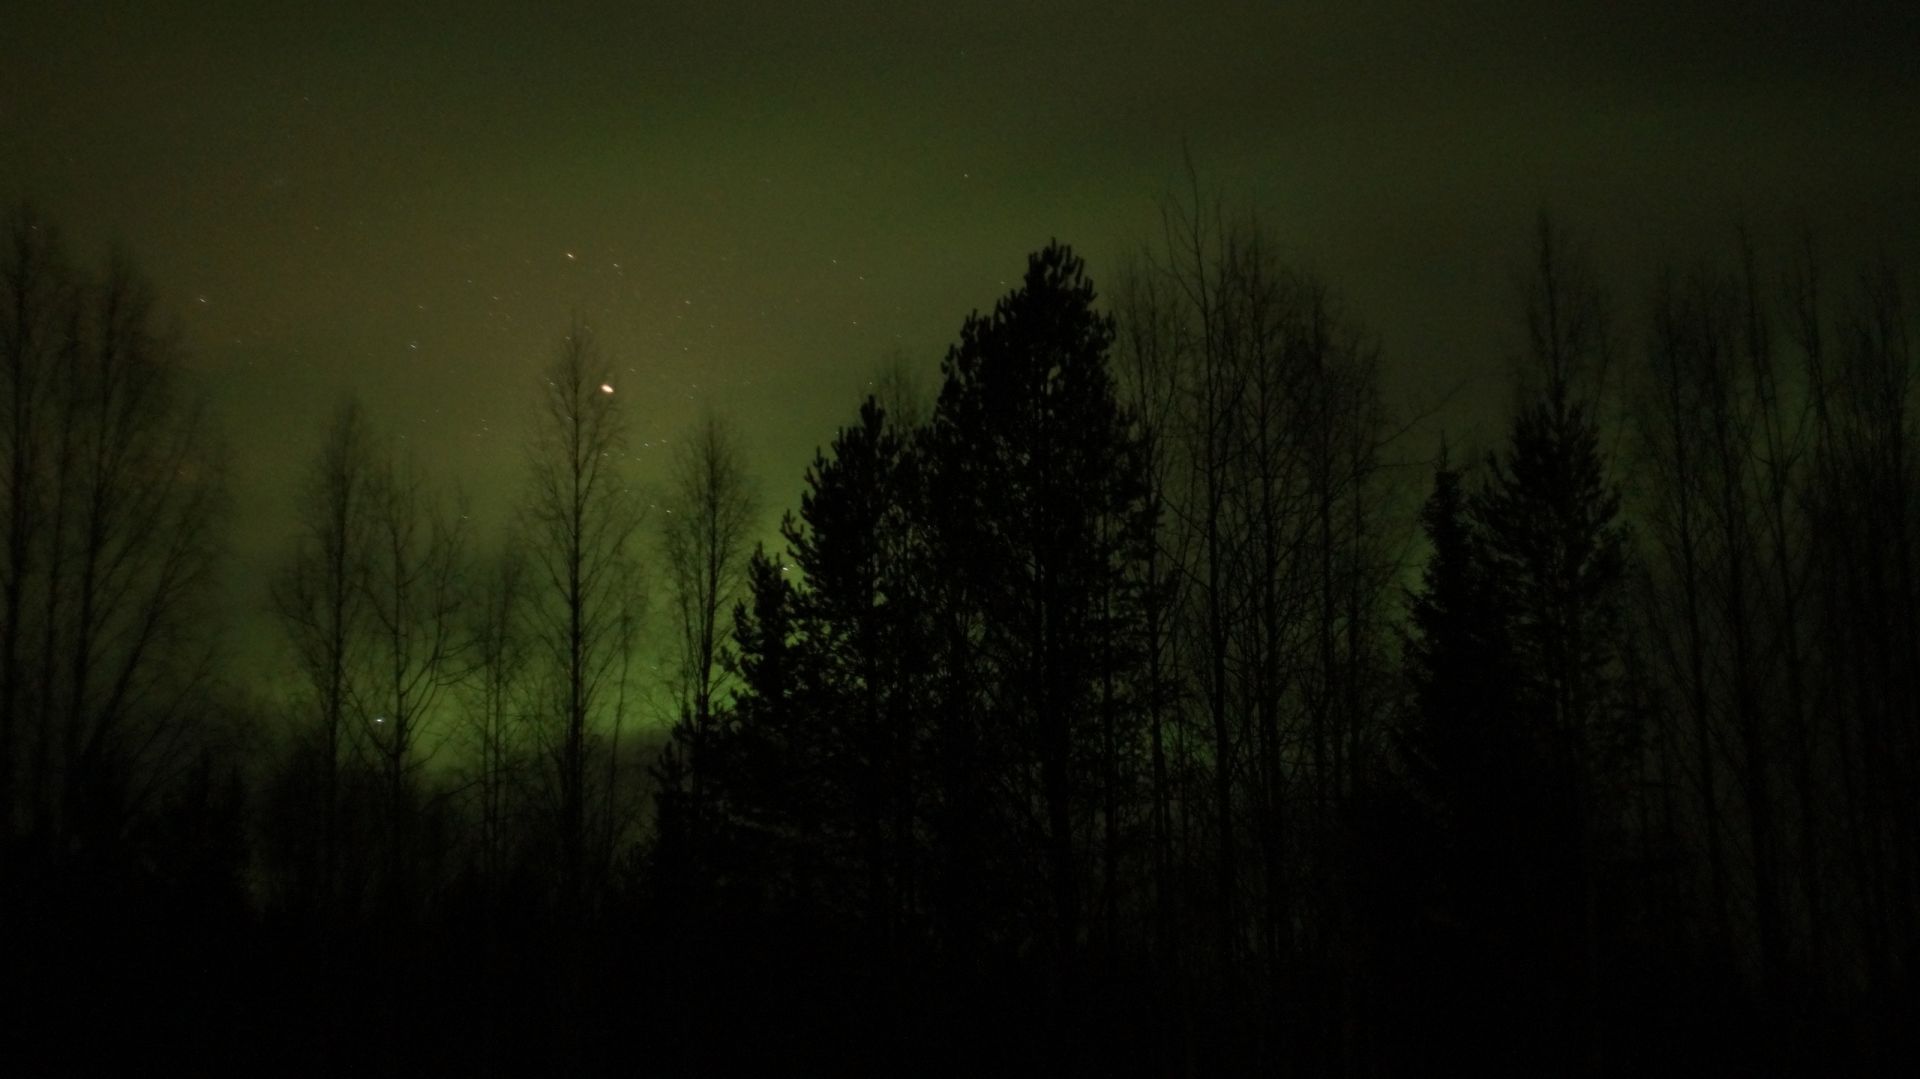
x=1557, y=552
x=1459, y=663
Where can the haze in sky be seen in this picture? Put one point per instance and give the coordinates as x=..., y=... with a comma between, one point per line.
x=757, y=202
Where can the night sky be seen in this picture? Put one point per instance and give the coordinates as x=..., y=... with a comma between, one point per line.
x=755, y=202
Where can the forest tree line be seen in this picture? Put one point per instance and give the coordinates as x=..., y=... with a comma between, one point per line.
x=1129, y=701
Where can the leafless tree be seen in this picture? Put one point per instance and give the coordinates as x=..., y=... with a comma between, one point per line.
x=415, y=589
x=320, y=596
x=901, y=391
x=1261, y=402
x=1865, y=598
x=705, y=533
x=39, y=296
x=581, y=522
x=1151, y=383
x=1675, y=607
x=496, y=704
x=114, y=489
x=1214, y=389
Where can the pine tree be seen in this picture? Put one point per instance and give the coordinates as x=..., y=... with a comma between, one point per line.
x=1036, y=493
x=1454, y=850
x=819, y=753
x=857, y=611
x=1558, y=554
x=1459, y=663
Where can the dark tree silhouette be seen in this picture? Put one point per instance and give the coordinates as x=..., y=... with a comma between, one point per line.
x=320, y=596
x=1037, y=501
x=1558, y=556
x=416, y=589
x=115, y=489
x=39, y=297
x=705, y=525
x=1151, y=386
x=1458, y=857
x=1865, y=610
x=1060, y=733
x=1461, y=744
x=112, y=742
x=818, y=759
x=581, y=521
x=1273, y=570
x=496, y=700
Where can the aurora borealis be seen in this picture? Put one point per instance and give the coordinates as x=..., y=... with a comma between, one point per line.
x=757, y=202
x=1500, y=655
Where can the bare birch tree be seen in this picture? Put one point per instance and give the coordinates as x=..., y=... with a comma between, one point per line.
x=114, y=488
x=320, y=596
x=415, y=591
x=581, y=522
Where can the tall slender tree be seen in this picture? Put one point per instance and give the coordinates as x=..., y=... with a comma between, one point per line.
x=825, y=732
x=857, y=611
x=320, y=596
x=705, y=527
x=1550, y=514
x=495, y=698
x=38, y=296
x=1462, y=749
x=415, y=589
x=1038, y=484
x=581, y=520
x=1152, y=386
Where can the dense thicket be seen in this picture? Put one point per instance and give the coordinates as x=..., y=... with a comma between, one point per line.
x=1125, y=707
